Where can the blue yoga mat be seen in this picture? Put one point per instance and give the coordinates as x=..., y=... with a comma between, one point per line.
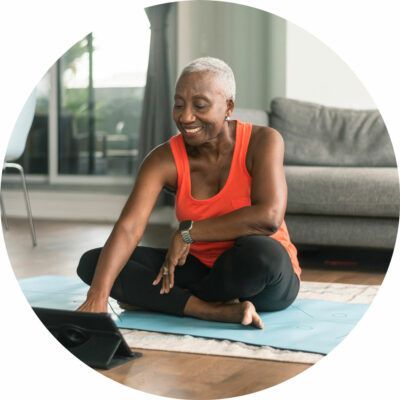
x=315, y=326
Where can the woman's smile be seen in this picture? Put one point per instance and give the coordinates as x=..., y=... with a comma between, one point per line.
x=192, y=132
x=200, y=107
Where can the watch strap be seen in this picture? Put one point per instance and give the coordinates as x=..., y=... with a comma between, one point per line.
x=184, y=229
x=186, y=237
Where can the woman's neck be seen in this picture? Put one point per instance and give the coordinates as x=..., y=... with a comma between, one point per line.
x=223, y=143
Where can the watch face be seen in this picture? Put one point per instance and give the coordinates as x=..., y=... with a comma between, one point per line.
x=185, y=225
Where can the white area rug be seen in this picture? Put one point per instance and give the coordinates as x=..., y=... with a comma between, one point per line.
x=308, y=290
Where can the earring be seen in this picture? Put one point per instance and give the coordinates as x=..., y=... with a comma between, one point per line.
x=227, y=118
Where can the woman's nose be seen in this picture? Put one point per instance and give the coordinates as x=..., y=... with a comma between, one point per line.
x=187, y=115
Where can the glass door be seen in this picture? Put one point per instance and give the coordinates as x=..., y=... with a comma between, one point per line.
x=101, y=83
x=87, y=119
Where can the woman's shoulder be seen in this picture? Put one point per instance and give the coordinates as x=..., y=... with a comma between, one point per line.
x=263, y=137
x=161, y=159
x=264, y=142
x=161, y=153
x=262, y=133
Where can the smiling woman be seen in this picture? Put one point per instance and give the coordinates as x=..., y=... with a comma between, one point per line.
x=200, y=95
x=201, y=107
x=232, y=255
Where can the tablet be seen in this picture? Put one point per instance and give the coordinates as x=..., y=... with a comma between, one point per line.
x=92, y=337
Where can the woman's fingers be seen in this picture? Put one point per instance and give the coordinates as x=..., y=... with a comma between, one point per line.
x=167, y=279
x=165, y=284
x=176, y=255
x=171, y=278
x=93, y=306
x=158, y=278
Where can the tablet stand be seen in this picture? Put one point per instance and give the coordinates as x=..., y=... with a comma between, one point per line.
x=99, y=349
x=92, y=337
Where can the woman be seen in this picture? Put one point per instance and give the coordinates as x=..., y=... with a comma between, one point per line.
x=231, y=255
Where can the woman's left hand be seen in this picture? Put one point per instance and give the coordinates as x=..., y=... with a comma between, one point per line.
x=176, y=255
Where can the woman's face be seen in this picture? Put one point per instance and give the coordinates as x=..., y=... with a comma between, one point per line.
x=200, y=107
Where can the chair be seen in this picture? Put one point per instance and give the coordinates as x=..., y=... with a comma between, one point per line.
x=16, y=147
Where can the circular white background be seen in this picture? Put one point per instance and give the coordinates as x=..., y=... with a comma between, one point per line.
x=365, y=34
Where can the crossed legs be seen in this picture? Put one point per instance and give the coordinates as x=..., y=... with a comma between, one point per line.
x=257, y=270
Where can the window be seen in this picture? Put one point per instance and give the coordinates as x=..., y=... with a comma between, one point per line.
x=98, y=88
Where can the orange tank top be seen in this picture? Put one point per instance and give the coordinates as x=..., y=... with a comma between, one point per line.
x=235, y=194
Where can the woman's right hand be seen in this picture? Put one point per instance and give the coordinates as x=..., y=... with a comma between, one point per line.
x=95, y=305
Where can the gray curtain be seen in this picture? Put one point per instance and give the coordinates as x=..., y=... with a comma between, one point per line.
x=156, y=122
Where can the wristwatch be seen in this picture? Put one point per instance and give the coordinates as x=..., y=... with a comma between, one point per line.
x=184, y=229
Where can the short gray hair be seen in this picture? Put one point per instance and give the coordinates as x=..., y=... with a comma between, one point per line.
x=220, y=68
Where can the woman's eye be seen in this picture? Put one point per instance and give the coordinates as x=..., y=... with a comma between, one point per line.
x=200, y=106
x=178, y=106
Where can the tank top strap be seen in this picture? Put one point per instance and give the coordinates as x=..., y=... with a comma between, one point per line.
x=243, y=133
x=179, y=153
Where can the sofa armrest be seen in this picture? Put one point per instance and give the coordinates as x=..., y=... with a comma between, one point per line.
x=346, y=191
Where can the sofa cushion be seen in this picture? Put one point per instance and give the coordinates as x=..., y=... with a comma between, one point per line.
x=320, y=135
x=343, y=231
x=346, y=191
x=256, y=117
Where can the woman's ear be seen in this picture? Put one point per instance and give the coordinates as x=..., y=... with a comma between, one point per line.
x=230, y=105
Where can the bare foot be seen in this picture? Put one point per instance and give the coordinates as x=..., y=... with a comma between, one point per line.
x=244, y=313
x=250, y=315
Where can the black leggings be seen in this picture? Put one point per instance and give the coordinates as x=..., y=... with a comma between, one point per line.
x=256, y=268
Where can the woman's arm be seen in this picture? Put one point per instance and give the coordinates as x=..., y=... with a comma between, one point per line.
x=268, y=195
x=157, y=170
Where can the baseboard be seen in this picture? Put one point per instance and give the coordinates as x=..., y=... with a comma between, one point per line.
x=77, y=206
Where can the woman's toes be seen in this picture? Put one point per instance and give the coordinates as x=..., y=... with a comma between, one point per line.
x=247, y=317
x=258, y=322
x=250, y=315
x=248, y=310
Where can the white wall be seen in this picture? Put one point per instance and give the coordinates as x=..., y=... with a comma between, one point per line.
x=270, y=57
x=251, y=41
x=315, y=73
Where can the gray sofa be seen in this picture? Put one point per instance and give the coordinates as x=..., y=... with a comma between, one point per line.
x=340, y=167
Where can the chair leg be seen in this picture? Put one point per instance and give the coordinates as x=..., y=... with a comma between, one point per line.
x=27, y=202
x=3, y=212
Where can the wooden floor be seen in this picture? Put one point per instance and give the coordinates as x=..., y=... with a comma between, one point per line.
x=172, y=374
